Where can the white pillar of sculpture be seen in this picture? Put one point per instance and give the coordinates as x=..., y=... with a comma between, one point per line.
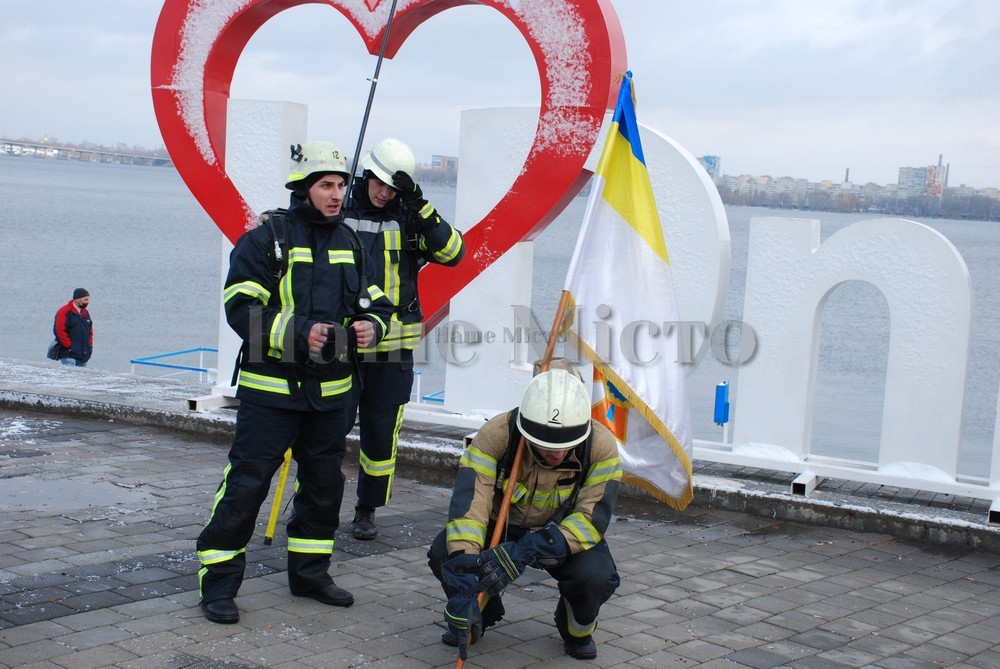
x=479, y=377
x=926, y=284
x=258, y=134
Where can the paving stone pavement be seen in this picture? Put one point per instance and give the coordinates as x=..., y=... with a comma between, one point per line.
x=98, y=570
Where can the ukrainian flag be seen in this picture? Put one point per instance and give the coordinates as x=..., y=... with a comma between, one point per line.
x=621, y=295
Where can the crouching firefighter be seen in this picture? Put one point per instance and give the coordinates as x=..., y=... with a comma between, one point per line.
x=562, y=503
x=298, y=296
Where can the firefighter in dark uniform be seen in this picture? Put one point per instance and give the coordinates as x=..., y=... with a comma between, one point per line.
x=402, y=232
x=295, y=378
x=563, y=501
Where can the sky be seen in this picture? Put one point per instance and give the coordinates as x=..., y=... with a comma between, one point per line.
x=784, y=87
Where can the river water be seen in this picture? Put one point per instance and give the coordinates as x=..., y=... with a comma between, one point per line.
x=149, y=255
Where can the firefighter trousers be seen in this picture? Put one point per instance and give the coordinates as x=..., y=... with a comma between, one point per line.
x=262, y=436
x=386, y=380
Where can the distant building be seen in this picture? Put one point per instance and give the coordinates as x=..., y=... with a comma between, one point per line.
x=447, y=163
x=936, y=175
x=912, y=181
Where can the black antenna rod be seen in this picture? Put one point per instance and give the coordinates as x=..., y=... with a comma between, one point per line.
x=371, y=93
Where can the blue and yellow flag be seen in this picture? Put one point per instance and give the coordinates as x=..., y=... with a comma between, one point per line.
x=622, y=295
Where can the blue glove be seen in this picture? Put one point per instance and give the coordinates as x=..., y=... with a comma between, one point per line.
x=461, y=575
x=465, y=621
x=461, y=613
x=502, y=564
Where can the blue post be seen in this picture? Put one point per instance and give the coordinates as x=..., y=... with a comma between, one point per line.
x=722, y=403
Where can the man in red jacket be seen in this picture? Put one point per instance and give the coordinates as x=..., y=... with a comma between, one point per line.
x=75, y=330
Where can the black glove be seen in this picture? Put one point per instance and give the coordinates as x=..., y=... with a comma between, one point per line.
x=461, y=613
x=409, y=192
x=413, y=200
x=502, y=564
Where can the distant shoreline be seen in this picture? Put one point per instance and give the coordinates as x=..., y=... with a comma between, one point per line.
x=952, y=203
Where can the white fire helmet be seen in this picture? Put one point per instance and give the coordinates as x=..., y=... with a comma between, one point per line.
x=555, y=411
x=389, y=156
x=315, y=158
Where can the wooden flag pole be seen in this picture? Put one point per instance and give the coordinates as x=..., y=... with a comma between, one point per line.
x=515, y=468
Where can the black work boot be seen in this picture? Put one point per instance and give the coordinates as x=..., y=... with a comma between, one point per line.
x=329, y=594
x=364, y=523
x=581, y=648
x=223, y=611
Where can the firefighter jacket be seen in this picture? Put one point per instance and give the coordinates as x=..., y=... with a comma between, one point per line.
x=582, y=502
x=399, y=242
x=322, y=283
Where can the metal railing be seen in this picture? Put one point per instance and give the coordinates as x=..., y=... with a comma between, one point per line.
x=204, y=373
x=416, y=395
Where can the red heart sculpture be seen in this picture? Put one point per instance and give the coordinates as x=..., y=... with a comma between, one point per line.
x=578, y=47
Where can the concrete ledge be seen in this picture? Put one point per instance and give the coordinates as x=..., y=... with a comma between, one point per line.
x=858, y=517
x=207, y=425
x=824, y=509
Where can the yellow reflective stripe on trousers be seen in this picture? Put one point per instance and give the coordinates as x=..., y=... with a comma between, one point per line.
x=465, y=529
x=220, y=493
x=573, y=627
x=267, y=384
x=377, y=467
x=216, y=556
x=384, y=467
x=316, y=546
